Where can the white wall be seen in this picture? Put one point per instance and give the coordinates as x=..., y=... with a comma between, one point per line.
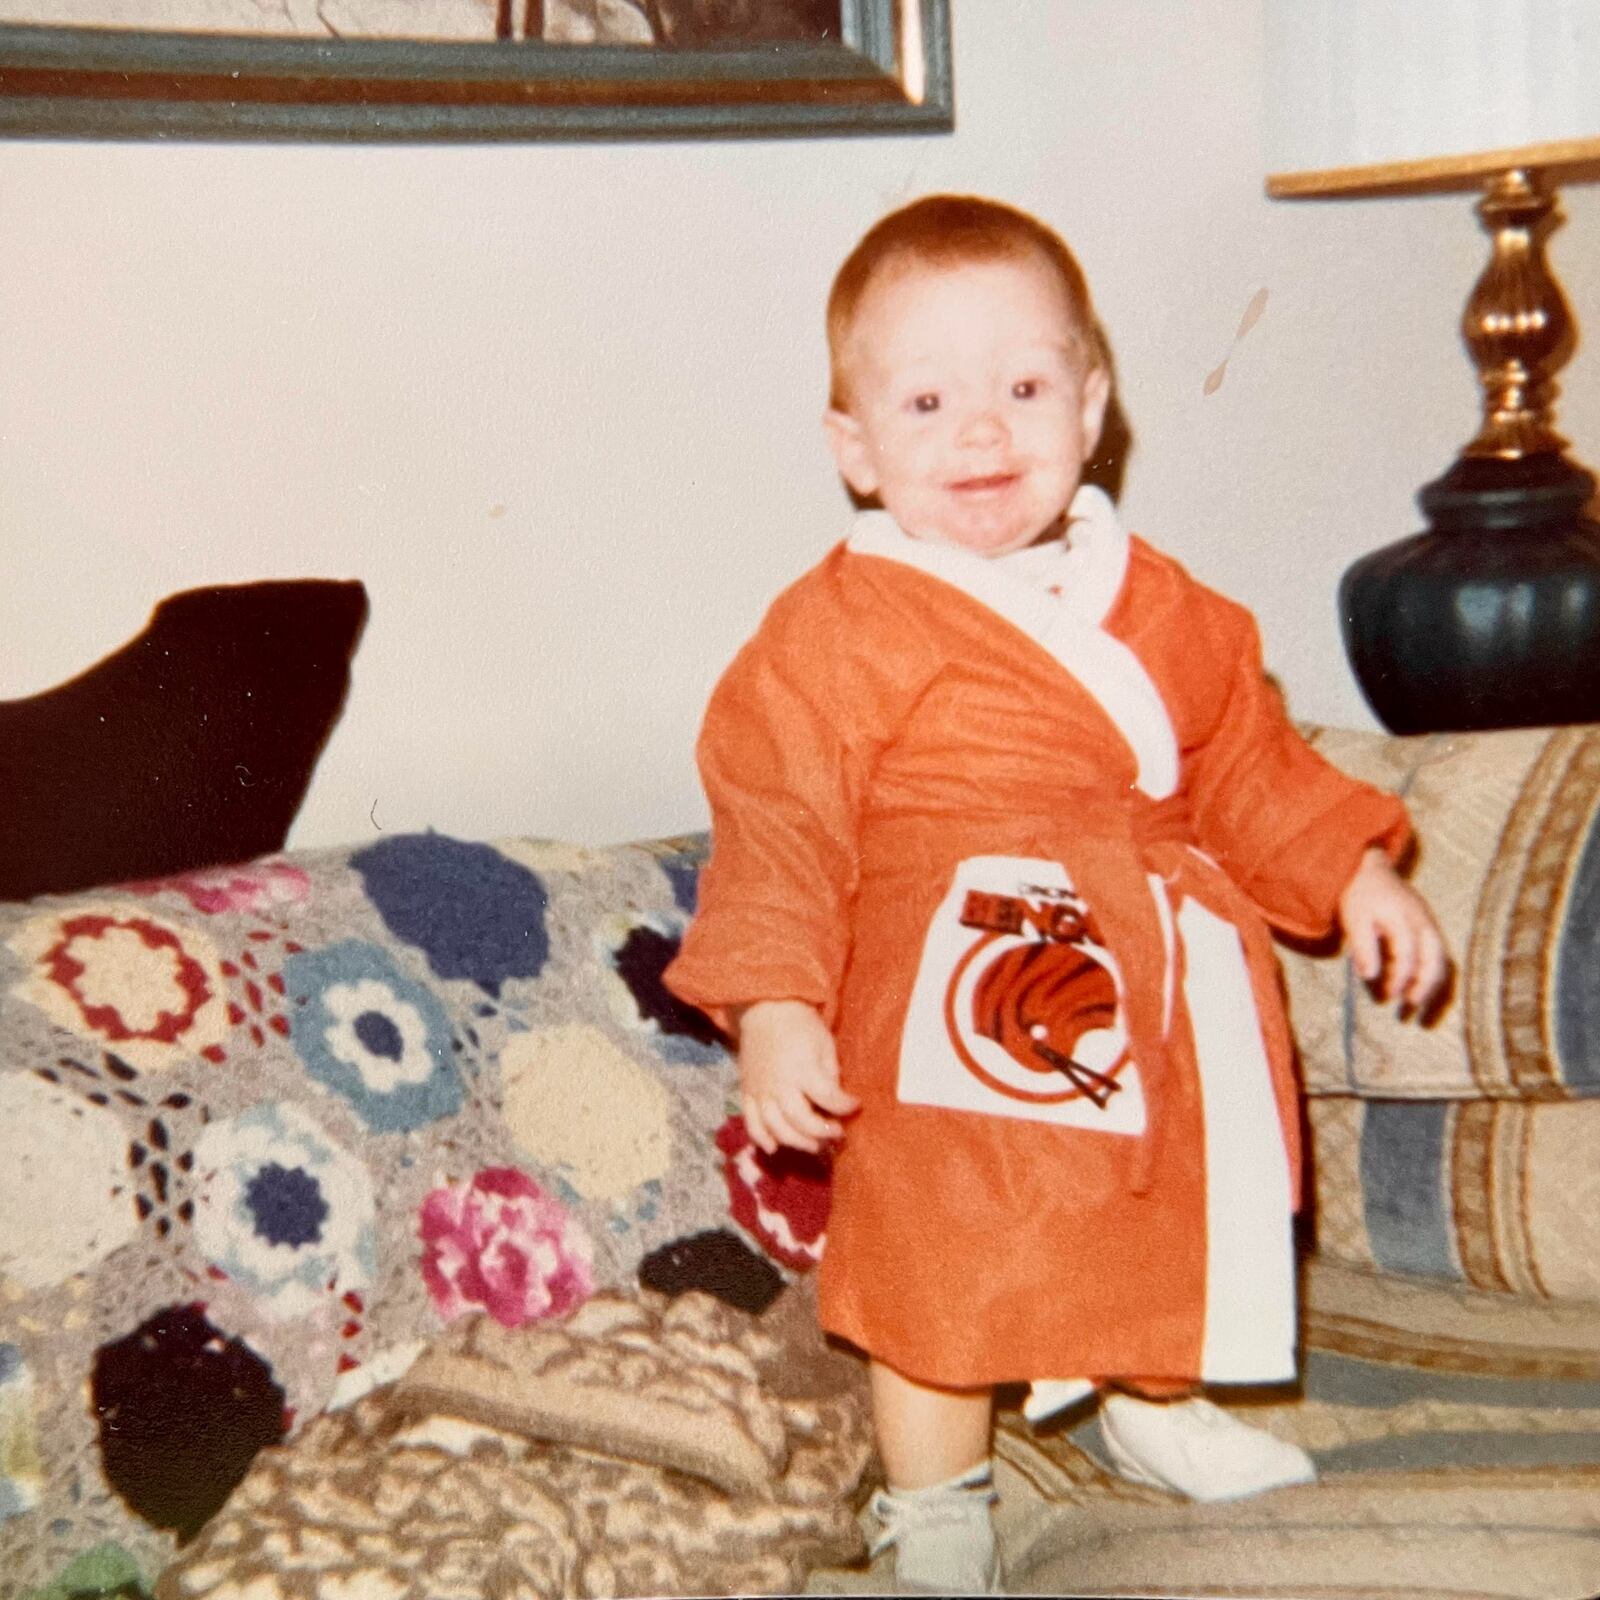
x=557, y=406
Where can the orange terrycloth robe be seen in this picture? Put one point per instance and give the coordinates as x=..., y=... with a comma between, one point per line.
x=1018, y=850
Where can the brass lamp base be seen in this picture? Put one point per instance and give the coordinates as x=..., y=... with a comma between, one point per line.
x=1491, y=618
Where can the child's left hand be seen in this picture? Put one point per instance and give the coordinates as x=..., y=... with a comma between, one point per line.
x=1388, y=923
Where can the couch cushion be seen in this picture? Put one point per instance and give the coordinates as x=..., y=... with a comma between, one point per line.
x=1420, y=1322
x=1510, y=859
x=1503, y=1195
x=1431, y=1483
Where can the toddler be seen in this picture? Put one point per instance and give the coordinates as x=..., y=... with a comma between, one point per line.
x=1002, y=805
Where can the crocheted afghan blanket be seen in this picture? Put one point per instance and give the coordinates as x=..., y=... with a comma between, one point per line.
x=266, y=1132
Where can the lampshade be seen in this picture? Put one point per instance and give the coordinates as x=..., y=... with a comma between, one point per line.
x=1369, y=94
x=1490, y=618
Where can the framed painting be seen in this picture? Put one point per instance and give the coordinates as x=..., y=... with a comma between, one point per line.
x=371, y=70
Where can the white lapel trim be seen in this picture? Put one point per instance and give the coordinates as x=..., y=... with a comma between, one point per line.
x=1069, y=626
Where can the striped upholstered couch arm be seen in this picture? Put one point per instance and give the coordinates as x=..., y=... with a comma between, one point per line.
x=1462, y=1153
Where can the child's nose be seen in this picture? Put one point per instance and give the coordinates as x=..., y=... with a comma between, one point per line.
x=983, y=425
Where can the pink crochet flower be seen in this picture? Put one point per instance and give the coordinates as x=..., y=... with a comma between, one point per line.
x=502, y=1243
x=253, y=887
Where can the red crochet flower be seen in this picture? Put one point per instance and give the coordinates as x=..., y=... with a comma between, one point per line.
x=782, y=1199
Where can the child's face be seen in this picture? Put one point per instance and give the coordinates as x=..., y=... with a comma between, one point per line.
x=972, y=409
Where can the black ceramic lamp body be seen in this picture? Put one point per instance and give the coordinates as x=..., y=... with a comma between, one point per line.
x=1490, y=619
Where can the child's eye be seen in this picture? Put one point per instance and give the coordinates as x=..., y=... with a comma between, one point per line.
x=1026, y=389
x=925, y=403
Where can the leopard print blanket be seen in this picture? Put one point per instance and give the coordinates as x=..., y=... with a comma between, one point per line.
x=643, y=1446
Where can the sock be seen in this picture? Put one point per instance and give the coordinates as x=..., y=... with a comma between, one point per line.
x=980, y=1476
x=942, y=1533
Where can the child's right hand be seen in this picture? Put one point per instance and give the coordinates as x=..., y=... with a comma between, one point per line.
x=789, y=1072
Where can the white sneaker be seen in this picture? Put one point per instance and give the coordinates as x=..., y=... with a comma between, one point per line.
x=1048, y=1397
x=1197, y=1449
x=943, y=1537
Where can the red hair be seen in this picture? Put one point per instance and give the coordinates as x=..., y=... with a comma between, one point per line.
x=954, y=230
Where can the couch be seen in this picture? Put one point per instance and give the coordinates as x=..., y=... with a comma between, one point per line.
x=374, y=1223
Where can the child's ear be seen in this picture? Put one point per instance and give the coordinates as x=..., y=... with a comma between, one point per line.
x=850, y=452
x=1096, y=397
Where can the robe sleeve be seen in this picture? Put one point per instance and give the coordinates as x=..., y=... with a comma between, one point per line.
x=1286, y=825
x=790, y=738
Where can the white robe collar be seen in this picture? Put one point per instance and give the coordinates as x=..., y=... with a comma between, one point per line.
x=1088, y=567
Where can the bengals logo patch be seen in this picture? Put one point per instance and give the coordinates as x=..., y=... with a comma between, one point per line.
x=1038, y=982
x=1030, y=1014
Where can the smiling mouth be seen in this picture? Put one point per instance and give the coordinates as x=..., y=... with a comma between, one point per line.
x=991, y=484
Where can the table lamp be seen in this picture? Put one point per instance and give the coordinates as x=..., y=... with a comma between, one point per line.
x=1490, y=618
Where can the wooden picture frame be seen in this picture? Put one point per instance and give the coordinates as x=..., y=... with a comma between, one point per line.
x=885, y=68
